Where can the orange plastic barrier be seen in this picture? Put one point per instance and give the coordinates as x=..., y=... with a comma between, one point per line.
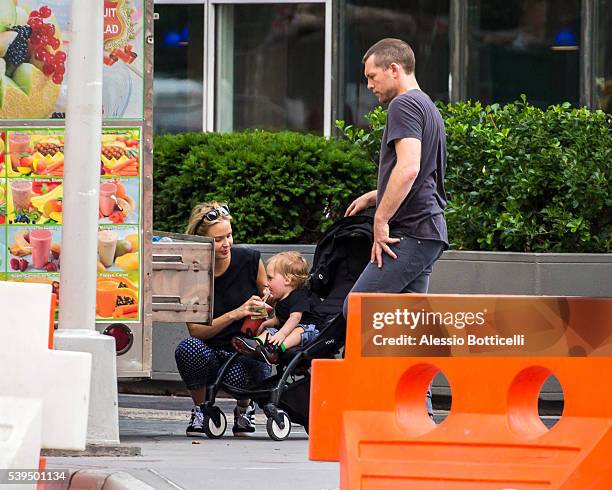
x=368, y=410
x=42, y=466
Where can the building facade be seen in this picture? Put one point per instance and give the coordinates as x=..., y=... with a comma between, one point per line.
x=229, y=65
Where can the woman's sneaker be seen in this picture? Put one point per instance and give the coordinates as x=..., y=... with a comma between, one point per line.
x=196, y=423
x=244, y=419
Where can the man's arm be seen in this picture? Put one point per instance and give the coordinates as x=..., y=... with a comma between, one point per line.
x=408, y=151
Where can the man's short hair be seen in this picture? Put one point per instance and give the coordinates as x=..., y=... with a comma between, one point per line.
x=389, y=50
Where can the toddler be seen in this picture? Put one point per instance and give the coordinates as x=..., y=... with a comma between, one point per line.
x=294, y=321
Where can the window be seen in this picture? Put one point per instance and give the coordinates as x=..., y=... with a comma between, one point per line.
x=603, y=58
x=524, y=46
x=269, y=67
x=423, y=25
x=179, y=73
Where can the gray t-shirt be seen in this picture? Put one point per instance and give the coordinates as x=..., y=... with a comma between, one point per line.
x=421, y=215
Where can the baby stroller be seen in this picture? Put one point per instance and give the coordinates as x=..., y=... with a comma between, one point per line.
x=340, y=257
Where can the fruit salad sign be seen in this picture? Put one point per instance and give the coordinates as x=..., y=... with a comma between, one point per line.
x=31, y=194
x=35, y=47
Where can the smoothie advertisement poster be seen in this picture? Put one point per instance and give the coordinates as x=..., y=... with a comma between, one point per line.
x=34, y=53
x=31, y=195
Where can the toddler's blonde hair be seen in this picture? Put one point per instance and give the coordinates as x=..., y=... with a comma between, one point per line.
x=291, y=265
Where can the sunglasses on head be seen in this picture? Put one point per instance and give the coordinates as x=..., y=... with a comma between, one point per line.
x=216, y=213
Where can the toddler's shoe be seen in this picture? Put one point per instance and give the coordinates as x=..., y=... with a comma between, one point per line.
x=245, y=346
x=268, y=353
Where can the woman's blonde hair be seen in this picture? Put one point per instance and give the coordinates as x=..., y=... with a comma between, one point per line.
x=199, y=224
x=291, y=265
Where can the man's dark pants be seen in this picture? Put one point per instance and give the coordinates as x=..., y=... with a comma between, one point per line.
x=409, y=273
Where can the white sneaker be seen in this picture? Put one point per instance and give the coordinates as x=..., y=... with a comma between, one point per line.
x=196, y=423
x=244, y=419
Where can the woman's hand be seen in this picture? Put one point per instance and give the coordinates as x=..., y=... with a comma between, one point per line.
x=277, y=339
x=250, y=307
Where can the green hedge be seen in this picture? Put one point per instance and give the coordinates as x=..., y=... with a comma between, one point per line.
x=520, y=178
x=281, y=187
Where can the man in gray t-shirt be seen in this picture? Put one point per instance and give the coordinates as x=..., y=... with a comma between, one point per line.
x=409, y=224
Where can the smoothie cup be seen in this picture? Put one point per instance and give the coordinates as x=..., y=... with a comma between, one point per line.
x=19, y=143
x=108, y=190
x=22, y=193
x=251, y=324
x=40, y=241
x=107, y=244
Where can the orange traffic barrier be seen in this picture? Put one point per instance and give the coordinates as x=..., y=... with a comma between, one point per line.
x=52, y=319
x=368, y=410
x=42, y=466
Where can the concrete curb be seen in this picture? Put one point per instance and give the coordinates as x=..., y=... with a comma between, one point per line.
x=104, y=480
x=94, y=450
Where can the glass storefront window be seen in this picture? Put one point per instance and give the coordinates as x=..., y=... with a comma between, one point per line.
x=524, y=46
x=423, y=25
x=269, y=67
x=179, y=68
x=603, y=58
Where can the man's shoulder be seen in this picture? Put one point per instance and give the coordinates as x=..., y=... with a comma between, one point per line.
x=413, y=101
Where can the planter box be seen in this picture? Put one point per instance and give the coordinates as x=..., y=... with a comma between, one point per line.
x=458, y=272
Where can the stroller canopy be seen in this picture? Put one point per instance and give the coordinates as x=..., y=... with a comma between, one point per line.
x=340, y=257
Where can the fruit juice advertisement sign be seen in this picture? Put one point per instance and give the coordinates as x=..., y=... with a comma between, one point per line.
x=35, y=47
x=35, y=152
x=31, y=212
x=117, y=296
x=123, y=81
x=120, y=153
x=119, y=201
x=117, y=291
x=34, y=248
x=2, y=203
x=34, y=201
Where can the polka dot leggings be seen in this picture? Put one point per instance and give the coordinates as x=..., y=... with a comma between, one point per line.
x=199, y=364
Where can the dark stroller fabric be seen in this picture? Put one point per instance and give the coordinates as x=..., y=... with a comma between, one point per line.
x=340, y=257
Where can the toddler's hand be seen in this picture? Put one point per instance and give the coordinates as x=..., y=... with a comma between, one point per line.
x=277, y=339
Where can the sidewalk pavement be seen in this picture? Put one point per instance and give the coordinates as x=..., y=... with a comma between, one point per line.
x=170, y=460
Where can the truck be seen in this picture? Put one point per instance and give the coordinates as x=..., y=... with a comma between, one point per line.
x=138, y=282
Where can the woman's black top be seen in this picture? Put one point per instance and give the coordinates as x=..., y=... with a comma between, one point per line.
x=236, y=285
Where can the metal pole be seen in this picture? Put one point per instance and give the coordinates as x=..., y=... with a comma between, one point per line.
x=82, y=167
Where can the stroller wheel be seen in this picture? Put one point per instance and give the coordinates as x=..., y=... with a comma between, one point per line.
x=211, y=429
x=279, y=432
